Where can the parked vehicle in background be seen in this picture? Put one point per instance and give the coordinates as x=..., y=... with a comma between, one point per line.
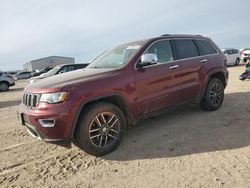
x=23, y=75
x=59, y=69
x=246, y=73
x=93, y=106
x=42, y=71
x=245, y=55
x=8, y=75
x=6, y=80
x=233, y=56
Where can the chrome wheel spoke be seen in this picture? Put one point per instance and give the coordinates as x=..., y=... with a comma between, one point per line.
x=94, y=130
x=214, y=100
x=113, y=123
x=103, y=118
x=100, y=143
x=110, y=119
x=113, y=130
x=98, y=121
x=218, y=99
x=212, y=92
x=110, y=135
x=95, y=136
x=106, y=140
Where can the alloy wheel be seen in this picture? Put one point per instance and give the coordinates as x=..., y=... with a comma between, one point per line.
x=3, y=87
x=215, y=94
x=104, y=130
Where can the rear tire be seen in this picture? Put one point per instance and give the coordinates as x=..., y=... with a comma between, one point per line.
x=214, y=95
x=100, y=129
x=237, y=61
x=4, y=86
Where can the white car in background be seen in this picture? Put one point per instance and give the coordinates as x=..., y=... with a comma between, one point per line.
x=233, y=56
x=245, y=55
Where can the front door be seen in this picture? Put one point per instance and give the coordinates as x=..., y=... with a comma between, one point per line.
x=158, y=85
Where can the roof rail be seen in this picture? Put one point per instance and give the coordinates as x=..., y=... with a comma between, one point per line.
x=164, y=35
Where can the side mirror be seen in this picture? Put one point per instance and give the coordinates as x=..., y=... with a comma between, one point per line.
x=148, y=59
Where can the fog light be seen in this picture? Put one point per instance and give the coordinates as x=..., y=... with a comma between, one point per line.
x=47, y=122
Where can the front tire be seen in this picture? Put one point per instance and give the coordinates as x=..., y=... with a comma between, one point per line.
x=214, y=95
x=4, y=86
x=100, y=129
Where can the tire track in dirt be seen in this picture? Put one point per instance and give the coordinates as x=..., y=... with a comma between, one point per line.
x=50, y=168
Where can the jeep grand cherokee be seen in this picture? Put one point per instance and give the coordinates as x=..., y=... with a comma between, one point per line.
x=91, y=107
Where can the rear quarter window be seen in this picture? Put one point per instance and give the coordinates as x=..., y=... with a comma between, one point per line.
x=205, y=47
x=185, y=48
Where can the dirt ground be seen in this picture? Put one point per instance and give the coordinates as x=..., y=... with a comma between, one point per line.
x=183, y=147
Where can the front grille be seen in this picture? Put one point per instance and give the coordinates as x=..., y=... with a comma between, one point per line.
x=30, y=100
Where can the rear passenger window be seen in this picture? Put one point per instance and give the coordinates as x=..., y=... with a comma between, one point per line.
x=185, y=49
x=205, y=47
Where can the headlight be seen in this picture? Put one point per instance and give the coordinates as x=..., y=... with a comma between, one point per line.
x=53, y=97
x=31, y=81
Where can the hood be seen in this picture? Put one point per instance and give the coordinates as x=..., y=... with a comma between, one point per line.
x=246, y=52
x=57, y=82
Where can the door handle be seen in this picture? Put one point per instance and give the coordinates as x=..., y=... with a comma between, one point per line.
x=173, y=66
x=203, y=60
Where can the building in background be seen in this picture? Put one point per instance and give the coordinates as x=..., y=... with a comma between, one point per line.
x=50, y=62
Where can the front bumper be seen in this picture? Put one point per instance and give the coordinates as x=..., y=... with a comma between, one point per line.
x=60, y=133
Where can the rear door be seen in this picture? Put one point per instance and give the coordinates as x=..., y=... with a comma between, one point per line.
x=158, y=85
x=235, y=55
x=231, y=56
x=186, y=53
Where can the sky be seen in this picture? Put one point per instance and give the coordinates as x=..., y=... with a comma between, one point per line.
x=32, y=29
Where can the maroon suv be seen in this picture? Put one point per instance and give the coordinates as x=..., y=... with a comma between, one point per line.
x=91, y=107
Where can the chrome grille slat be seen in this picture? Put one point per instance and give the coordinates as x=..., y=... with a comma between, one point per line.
x=30, y=100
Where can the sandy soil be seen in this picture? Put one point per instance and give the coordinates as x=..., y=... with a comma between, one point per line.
x=183, y=147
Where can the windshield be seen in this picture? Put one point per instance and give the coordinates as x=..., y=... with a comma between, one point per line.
x=52, y=71
x=117, y=57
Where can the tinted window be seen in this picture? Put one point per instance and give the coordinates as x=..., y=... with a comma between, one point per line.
x=64, y=69
x=81, y=66
x=205, y=47
x=71, y=68
x=226, y=52
x=24, y=73
x=236, y=51
x=185, y=49
x=163, y=51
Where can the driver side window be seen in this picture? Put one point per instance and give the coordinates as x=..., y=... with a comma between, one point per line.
x=163, y=51
x=63, y=70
